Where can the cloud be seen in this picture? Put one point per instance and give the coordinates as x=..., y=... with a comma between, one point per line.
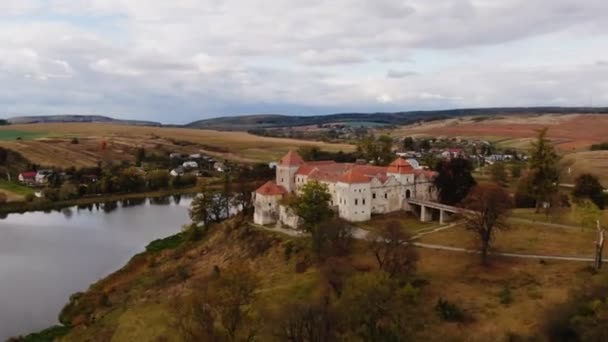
x=187, y=59
x=400, y=73
x=331, y=57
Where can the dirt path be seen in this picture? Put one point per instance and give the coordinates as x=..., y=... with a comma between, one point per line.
x=362, y=234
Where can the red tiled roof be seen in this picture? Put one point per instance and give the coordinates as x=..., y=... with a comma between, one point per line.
x=400, y=166
x=28, y=174
x=427, y=173
x=291, y=159
x=270, y=188
x=338, y=168
x=353, y=177
x=321, y=162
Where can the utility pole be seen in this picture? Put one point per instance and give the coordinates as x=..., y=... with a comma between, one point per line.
x=599, y=246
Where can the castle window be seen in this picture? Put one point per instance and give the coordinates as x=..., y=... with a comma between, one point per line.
x=269, y=204
x=374, y=195
x=364, y=201
x=356, y=201
x=385, y=195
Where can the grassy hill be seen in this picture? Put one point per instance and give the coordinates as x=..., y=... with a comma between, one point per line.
x=146, y=300
x=247, y=122
x=76, y=118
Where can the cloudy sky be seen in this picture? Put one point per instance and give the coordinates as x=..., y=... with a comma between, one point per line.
x=181, y=60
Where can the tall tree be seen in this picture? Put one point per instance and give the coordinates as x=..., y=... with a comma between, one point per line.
x=486, y=208
x=409, y=144
x=201, y=209
x=392, y=249
x=306, y=322
x=454, y=180
x=375, y=308
x=498, y=172
x=543, y=169
x=588, y=186
x=219, y=309
x=312, y=206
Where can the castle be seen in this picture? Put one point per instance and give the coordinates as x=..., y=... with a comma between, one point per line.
x=357, y=190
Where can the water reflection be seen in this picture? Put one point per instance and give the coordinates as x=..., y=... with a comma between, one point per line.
x=47, y=256
x=162, y=200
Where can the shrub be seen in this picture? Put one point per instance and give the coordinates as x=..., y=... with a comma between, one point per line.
x=75, y=141
x=3, y=198
x=29, y=197
x=47, y=335
x=448, y=311
x=506, y=297
x=183, y=273
x=170, y=242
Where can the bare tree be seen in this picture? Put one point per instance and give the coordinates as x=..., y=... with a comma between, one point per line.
x=306, y=322
x=484, y=210
x=392, y=249
x=219, y=308
x=599, y=246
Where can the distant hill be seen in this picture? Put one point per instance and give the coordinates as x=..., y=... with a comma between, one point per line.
x=77, y=118
x=248, y=122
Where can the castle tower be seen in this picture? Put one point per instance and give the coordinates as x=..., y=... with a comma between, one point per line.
x=286, y=170
x=402, y=170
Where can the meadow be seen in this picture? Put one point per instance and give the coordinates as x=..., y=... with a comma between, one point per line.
x=99, y=142
x=11, y=135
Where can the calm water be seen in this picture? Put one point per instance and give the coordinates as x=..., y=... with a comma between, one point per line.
x=45, y=257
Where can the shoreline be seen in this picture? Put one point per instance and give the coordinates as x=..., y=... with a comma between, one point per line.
x=24, y=207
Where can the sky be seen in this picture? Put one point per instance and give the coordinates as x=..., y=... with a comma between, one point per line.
x=182, y=60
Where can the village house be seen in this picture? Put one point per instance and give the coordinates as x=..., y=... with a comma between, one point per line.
x=190, y=165
x=357, y=190
x=27, y=177
x=178, y=171
x=42, y=176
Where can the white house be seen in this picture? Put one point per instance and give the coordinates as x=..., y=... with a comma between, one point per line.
x=357, y=191
x=190, y=165
x=42, y=176
x=178, y=171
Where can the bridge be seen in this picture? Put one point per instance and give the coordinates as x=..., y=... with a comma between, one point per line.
x=427, y=207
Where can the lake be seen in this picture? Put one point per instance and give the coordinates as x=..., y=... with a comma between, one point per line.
x=46, y=257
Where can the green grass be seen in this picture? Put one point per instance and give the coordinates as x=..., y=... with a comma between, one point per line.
x=48, y=335
x=15, y=188
x=170, y=242
x=24, y=135
x=408, y=221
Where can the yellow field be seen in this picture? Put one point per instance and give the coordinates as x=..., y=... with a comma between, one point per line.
x=56, y=148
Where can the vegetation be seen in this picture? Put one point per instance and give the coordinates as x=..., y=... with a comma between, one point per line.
x=487, y=207
x=393, y=251
x=454, y=180
x=499, y=173
x=599, y=147
x=220, y=308
x=314, y=153
x=46, y=335
x=584, y=317
x=378, y=151
x=588, y=186
x=544, y=171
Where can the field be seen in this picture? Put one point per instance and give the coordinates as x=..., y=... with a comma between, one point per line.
x=14, y=192
x=9, y=135
x=571, y=133
x=56, y=147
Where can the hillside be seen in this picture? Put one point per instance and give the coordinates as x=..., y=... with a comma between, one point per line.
x=244, y=123
x=152, y=296
x=76, y=118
